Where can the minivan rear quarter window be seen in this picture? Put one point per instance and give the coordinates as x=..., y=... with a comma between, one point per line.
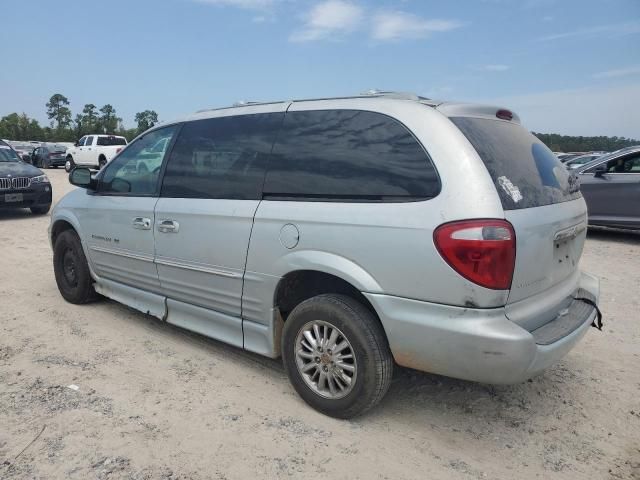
x=525, y=172
x=348, y=155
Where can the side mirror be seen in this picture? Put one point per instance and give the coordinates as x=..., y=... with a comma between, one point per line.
x=81, y=177
x=75, y=144
x=600, y=171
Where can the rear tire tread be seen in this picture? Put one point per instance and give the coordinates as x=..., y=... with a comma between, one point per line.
x=358, y=318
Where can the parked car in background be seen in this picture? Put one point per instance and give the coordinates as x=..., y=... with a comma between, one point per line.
x=576, y=162
x=25, y=150
x=22, y=185
x=49, y=156
x=611, y=187
x=94, y=151
x=343, y=235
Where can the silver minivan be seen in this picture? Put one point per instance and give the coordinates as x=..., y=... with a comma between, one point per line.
x=345, y=235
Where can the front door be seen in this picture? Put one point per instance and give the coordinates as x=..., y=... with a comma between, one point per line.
x=613, y=197
x=210, y=192
x=118, y=226
x=88, y=152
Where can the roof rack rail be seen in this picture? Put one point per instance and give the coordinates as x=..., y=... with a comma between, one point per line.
x=391, y=94
x=243, y=103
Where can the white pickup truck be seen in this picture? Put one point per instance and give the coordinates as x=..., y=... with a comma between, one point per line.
x=94, y=151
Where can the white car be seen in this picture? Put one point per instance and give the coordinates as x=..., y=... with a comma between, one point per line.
x=94, y=151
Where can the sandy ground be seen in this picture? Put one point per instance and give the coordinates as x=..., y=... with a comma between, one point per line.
x=158, y=402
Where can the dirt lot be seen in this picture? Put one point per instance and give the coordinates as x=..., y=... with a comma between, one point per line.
x=157, y=402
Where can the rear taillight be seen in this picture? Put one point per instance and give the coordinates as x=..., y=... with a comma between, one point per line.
x=118, y=150
x=483, y=251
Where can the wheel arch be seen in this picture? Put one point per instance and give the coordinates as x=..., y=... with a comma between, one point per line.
x=59, y=226
x=299, y=285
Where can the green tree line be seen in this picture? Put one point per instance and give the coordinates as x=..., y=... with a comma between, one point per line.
x=567, y=143
x=66, y=128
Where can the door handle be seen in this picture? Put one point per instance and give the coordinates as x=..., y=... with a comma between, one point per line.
x=142, y=223
x=168, y=226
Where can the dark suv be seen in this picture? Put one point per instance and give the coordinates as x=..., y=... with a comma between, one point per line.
x=22, y=185
x=47, y=156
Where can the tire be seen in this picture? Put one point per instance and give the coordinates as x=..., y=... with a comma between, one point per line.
x=40, y=210
x=371, y=364
x=69, y=164
x=101, y=163
x=71, y=269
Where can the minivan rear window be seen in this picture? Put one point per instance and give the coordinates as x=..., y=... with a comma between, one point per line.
x=348, y=155
x=525, y=172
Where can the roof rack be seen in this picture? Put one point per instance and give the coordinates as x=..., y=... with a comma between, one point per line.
x=244, y=103
x=391, y=94
x=368, y=93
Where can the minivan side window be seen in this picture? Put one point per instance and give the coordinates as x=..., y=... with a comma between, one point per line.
x=221, y=157
x=348, y=155
x=135, y=171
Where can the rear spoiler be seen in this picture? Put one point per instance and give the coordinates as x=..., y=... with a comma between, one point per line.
x=451, y=109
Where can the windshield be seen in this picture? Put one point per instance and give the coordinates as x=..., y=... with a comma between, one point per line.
x=57, y=149
x=8, y=155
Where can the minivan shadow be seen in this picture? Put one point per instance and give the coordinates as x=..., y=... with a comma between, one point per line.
x=605, y=234
x=415, y=398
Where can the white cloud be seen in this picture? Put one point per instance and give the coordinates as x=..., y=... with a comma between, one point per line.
x=397, y=25
x=620, y=72
x=586, y=111
x=327, y=19
x=618, y=29
x=495, y=68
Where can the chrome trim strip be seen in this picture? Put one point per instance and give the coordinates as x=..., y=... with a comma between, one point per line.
x=123, y=253
x=570, y=232
x=197, y=268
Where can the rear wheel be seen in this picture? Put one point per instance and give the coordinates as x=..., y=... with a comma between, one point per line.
x=71, y=269
x=40, y=210
x=101, y=163
x=70, y=164
x=336, y=355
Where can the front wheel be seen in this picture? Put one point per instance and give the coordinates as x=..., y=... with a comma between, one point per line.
x=71, y=269
x=336, y=355
x=69, y=165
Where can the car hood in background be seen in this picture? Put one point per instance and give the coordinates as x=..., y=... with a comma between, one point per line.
x=18, y=169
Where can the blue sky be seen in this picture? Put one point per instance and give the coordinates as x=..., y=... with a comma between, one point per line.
x=565, y=66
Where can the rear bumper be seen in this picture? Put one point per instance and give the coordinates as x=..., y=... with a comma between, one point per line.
x=481, y=345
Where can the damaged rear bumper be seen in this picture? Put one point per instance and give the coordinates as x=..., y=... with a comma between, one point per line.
x=481, y=345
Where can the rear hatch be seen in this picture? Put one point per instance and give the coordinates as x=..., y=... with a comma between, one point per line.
x=543, y=203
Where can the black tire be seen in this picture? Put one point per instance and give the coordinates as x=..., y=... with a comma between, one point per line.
x=369, y=344
x=71, y=269
x=72, y=164
x=101, y=163
x=40, y=210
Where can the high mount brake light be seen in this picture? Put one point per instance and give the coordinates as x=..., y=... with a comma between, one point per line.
x=503, y=114
x=482, y=251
